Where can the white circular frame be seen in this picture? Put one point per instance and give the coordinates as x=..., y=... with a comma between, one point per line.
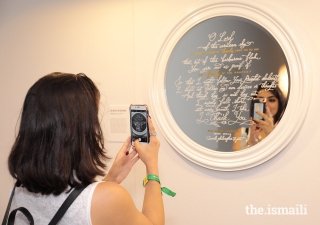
x=298, y=97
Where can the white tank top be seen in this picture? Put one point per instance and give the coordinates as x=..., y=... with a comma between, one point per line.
x=44, y=207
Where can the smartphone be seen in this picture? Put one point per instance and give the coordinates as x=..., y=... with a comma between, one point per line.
x=139, y=124
x=259, y=104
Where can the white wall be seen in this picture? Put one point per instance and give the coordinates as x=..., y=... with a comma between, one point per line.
x=112, y=41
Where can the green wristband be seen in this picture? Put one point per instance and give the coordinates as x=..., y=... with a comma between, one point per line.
x=156, y=178
x=150, y=177
x=168, y=191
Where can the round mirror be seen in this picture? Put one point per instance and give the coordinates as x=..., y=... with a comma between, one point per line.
x=215, y=73
x=228, y=80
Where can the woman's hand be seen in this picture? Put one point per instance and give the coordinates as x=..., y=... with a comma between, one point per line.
x=123, y=163
x=149, y=153
x=267, y=125
x=254, y=133
x=256, y=126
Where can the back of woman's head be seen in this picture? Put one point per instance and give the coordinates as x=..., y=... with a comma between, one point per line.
x=60, y=141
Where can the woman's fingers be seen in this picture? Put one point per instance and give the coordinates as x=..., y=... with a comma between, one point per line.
x=151, y=127
x=152, y=130
x=267, y=117
x=135, y=159
x=261, y=114
x=126, y=146
x=268, y=112
x=137, y=145
x=132, y=154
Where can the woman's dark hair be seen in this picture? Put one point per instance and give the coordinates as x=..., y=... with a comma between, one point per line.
x=60, y=141
x=276, y=91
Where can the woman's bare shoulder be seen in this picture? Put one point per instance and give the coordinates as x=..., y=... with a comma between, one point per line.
x=106, y=188
x=112, y=203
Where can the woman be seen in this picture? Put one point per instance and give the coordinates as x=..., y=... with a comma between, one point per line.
x=60, y=146
x=275, y=106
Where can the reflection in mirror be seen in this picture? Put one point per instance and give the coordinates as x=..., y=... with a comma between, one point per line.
x=266, y=111
x=216, y=77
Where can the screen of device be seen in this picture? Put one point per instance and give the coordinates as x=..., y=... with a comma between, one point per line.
x=258, y=107
x=139, y=125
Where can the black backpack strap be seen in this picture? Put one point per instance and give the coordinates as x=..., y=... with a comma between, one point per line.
x=66, y=204
x=24, y=211
x=59, y=214
x=5, y=218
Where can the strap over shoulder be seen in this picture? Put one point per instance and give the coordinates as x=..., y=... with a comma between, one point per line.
x=5, y=218
x=66, y=204
x=25, y=212
x=59, y=214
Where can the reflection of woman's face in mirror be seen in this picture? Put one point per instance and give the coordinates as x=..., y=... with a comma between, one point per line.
x=271, y=100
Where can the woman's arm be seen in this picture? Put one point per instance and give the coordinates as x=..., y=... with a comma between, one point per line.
x=153, y=207
x=112, y=204
x=123, y=163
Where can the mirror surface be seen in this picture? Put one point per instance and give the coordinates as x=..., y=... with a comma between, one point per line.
x=219, y=74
